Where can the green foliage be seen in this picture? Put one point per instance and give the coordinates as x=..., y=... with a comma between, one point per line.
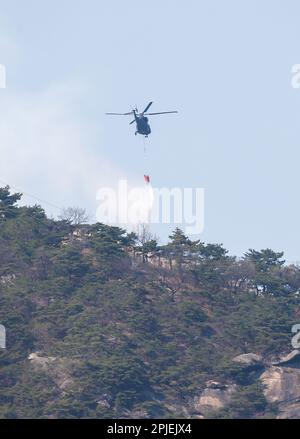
x=125, y=336
x=265, y=260
x=8, y=202
x=247, y=402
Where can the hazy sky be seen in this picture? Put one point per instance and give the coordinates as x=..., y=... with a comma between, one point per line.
x=226, y=66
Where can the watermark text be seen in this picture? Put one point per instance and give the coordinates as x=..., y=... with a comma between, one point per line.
x=2, y=337
x=2, y=76
x=125, y=206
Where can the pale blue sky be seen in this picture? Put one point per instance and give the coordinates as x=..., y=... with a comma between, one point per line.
x=226, y=66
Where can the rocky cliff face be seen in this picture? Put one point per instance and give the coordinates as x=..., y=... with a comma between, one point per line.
x=215, y=397
x=57, y=368
x=280, y=382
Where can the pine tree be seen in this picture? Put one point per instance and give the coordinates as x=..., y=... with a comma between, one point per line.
x=8, y=202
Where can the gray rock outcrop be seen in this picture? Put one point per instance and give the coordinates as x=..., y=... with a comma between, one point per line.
x=249, y=359
x=282, y=386
x=214, y=397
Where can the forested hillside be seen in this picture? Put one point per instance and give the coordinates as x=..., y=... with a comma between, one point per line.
x=105, y=324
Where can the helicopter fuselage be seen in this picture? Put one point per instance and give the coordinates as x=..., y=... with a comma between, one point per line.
x=142, y=125
x=140, y=119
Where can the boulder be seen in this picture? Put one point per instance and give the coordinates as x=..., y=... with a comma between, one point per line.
x=248, y=359
x=214, y=397
x=57, y=368
x=40, y=362
x=282, y=386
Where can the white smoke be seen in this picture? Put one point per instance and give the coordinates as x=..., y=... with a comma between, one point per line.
x=48, y=150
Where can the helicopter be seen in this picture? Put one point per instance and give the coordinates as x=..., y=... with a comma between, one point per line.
x=141, y=119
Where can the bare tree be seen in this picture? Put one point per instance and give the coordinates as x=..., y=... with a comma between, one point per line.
x=74, y=215
x=147, y=241
x=144, y=234
x=172, y=281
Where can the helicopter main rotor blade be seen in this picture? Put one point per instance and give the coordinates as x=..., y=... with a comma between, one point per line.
x=147, y=108
x=119, y=114
x=162, y=112
x=132, y=122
